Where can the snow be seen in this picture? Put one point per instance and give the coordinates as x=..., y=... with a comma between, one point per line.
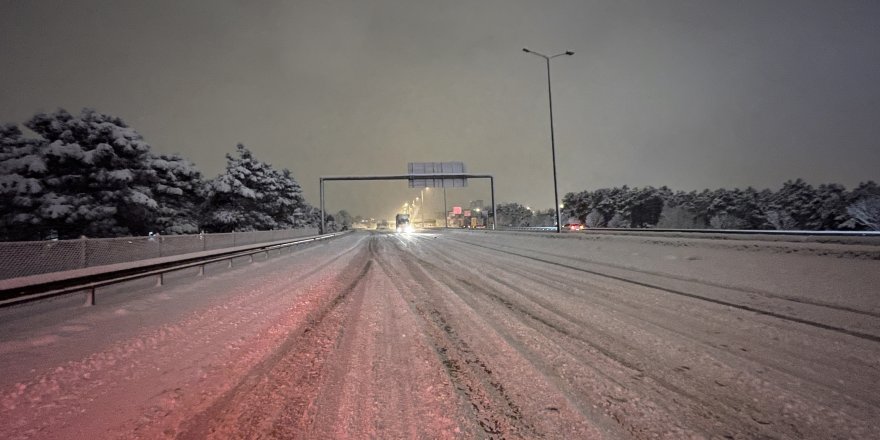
x=64, y=151
x=121, y=175
x=452, y=335
x=139, y=198
x=18, y=184
x=55, y=206
x=844, y=273
x=29, y=163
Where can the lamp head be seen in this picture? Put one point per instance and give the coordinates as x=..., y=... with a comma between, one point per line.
x=569, y=53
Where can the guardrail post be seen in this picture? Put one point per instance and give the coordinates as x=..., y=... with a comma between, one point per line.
x=229, y=266
x=160, y=279
x=251, y=258
x=202, y=270
x=90, y=297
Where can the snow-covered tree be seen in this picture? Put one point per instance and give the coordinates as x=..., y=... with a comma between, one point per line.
x=646, y=204
x=628, y=207
x=512, y=214
x=21, y=173
x=542, y=218
x=577, y=205
x=97, y=181
x=288, y=199
x=866, y=211
x=344, y=220
x=251, y=195
x=797, y=205
x=593, y=219
x=307, y=216
x=798, y=201
x=780, y=220
x=618, y=221
x=177, y=188
x=677, y=217
x=864, y=189
x=726, y=221
x=93, y=175
x=831, y=207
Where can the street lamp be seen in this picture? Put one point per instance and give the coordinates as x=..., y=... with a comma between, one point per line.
x=552, y=138
x=422, y=194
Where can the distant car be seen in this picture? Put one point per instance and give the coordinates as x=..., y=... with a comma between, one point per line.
x=382, y=225
x=573, y=226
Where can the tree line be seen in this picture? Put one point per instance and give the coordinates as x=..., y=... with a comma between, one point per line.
x=92, y=175
x=797, y=205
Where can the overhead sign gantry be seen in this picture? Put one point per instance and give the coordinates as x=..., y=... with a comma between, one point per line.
x=422, y=175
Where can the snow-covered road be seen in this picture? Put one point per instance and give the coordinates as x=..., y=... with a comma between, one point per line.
x=465, y=335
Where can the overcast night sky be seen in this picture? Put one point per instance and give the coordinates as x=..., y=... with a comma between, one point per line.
x=687, y=93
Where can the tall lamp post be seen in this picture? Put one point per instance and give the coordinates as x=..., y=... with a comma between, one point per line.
x=552, y=138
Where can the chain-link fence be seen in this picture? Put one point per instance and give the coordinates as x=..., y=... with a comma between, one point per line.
x=22, y=258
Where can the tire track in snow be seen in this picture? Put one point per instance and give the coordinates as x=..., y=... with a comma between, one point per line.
x=813, y=323
x=302, y=354
x=499, y=405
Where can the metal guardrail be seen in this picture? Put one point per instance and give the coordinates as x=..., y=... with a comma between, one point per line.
x=747, y=232
x=90, y=282
x=24, y=258
x=706, y=231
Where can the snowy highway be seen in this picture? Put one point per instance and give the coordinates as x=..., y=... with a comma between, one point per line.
x=455, y=334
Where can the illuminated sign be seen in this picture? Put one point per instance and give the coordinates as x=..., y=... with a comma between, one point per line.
x=456, y=210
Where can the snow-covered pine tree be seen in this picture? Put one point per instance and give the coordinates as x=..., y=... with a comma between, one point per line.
x=512, y=214
x=97, y=182
x=343, y=220
x=251, y=195
x=863, y=207
x=177, y=189
x=796, y=204
x=21, y=172
x=866, y=212
x=577, y=205
x=288, y=200
x=646, y=206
